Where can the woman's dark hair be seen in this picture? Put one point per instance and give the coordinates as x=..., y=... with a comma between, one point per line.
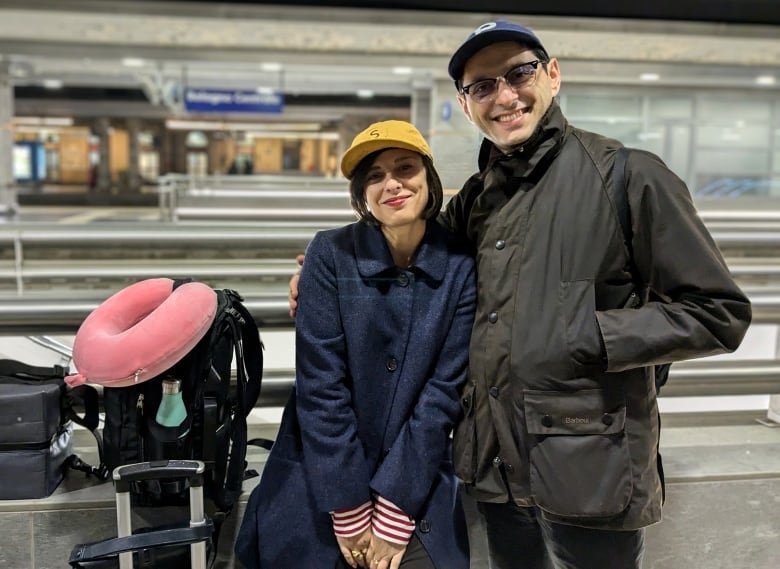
x=357, y=188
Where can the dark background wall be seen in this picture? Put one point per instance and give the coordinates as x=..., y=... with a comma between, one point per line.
x=765, y=12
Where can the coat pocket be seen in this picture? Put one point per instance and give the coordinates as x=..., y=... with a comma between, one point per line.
x=580, y=465
x=581, y=328
x=463, y=447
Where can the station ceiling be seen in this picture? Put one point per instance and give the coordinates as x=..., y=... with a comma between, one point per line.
x=335, y=49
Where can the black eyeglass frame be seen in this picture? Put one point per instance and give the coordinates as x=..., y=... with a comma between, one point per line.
x=464, y=90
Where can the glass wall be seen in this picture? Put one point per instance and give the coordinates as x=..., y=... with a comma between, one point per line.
x=723, y=144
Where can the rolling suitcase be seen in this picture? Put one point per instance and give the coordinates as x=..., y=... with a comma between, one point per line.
x=170, y=547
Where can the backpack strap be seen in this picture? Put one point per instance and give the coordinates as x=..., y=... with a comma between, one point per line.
x=619, y=195
x=89, y=399
x=21, y=370
x=249, y=373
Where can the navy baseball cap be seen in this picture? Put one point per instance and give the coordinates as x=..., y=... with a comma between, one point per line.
x=490, y=33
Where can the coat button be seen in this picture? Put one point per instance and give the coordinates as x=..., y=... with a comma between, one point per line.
x=493, y=391
x=607, y=419
x=497, y=461
x=547, y=421
x=493, y=317
x=466, y=401
x=391, y=364
x=424, y=526
x=500, y=244
x=403, y=279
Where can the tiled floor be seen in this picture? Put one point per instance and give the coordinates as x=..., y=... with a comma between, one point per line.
x=722, y=509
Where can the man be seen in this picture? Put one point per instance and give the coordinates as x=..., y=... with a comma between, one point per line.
x=559, y=437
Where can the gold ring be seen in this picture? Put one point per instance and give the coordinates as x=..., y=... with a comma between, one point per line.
x=356, y=553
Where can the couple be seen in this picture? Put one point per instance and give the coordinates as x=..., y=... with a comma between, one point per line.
x=543, y=367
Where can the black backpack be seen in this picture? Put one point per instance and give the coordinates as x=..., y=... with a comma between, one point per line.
x=215, y=428
x=619, y=194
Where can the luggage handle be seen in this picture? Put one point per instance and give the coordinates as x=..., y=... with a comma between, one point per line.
x=125, y=475
x=111, y=548
x=159, y=470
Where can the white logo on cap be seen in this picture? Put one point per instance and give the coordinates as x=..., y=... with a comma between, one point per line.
x=484, y=28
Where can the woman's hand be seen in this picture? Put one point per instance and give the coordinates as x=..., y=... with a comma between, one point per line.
x=354, y=548
x=292, y=295
x=384, y=554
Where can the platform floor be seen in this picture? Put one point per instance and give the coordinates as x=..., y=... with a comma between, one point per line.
x=722, y=509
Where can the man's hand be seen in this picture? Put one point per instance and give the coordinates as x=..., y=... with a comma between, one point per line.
x=384, y=554
x=354, y=548
x=292, y=297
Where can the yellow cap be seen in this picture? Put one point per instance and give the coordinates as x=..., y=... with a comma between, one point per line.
x=381, y=135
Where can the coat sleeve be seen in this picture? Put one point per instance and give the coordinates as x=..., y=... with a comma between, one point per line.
x=701, y=310
x=409, y=469
x=334, y=459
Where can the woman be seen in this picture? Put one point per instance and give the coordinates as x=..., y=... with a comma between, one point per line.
x=360, y=474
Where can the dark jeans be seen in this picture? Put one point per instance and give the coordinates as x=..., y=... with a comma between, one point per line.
x=415, y=557
x=519, y=538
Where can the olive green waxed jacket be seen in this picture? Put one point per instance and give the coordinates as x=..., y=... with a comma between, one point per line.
x=561, y=400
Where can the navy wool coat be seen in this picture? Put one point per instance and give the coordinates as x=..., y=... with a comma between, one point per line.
x=381, y=356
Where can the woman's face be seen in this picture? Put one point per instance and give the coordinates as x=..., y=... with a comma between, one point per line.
x=397, y=188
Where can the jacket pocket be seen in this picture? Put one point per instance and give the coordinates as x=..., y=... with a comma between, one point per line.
x=581, y=327
x=579, y=460
x=463, y=447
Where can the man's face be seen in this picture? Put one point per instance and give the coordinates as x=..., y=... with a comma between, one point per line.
x=511, y=116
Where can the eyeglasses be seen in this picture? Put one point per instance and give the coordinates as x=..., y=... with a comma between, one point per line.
x=485, y=90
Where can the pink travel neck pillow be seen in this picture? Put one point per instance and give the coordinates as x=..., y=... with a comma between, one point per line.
x=141, y=331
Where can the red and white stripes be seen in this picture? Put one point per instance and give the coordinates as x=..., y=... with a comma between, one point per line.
x=386, y=519
x=349, y=522
x=391, y=523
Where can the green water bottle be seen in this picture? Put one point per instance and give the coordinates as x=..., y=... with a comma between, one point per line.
x=171, y=412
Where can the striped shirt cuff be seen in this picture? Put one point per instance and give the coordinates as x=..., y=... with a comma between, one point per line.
x=349, y=522
x=390, y=522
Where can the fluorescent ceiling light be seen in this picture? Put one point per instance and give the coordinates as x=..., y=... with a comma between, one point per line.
x=649, y=77
x=52, y=84
x=365, y=93
x=133, y=62
x=271, y=66
x=266, y=90
x=401, y=70
x=177, y=124
x=43, y=121
x=766, y=80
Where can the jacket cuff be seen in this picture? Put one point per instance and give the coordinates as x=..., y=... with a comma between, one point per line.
x=390, y=523
x=349, y=522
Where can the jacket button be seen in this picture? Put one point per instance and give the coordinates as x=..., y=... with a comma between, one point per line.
x=500, y=244
x=403, y=279
x=391, y=364
x=607, y=419
x=425, y=526
x=493, y=317
x=466, y=401
x=497, y=461
x=547, y=421
x=494, y=391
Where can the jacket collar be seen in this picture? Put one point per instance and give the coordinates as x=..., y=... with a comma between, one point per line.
x=373, y=255
x=547, y=138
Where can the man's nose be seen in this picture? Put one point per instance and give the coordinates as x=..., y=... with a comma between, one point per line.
x=504, y=91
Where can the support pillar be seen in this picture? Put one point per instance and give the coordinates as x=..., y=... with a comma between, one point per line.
x=453, y=139
x=103, y=182
x=8, y=203
x=134, y=180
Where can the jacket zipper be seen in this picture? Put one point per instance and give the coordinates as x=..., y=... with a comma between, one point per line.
x=139, y=415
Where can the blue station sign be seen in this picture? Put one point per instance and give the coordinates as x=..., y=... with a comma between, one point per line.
x=232, y=101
